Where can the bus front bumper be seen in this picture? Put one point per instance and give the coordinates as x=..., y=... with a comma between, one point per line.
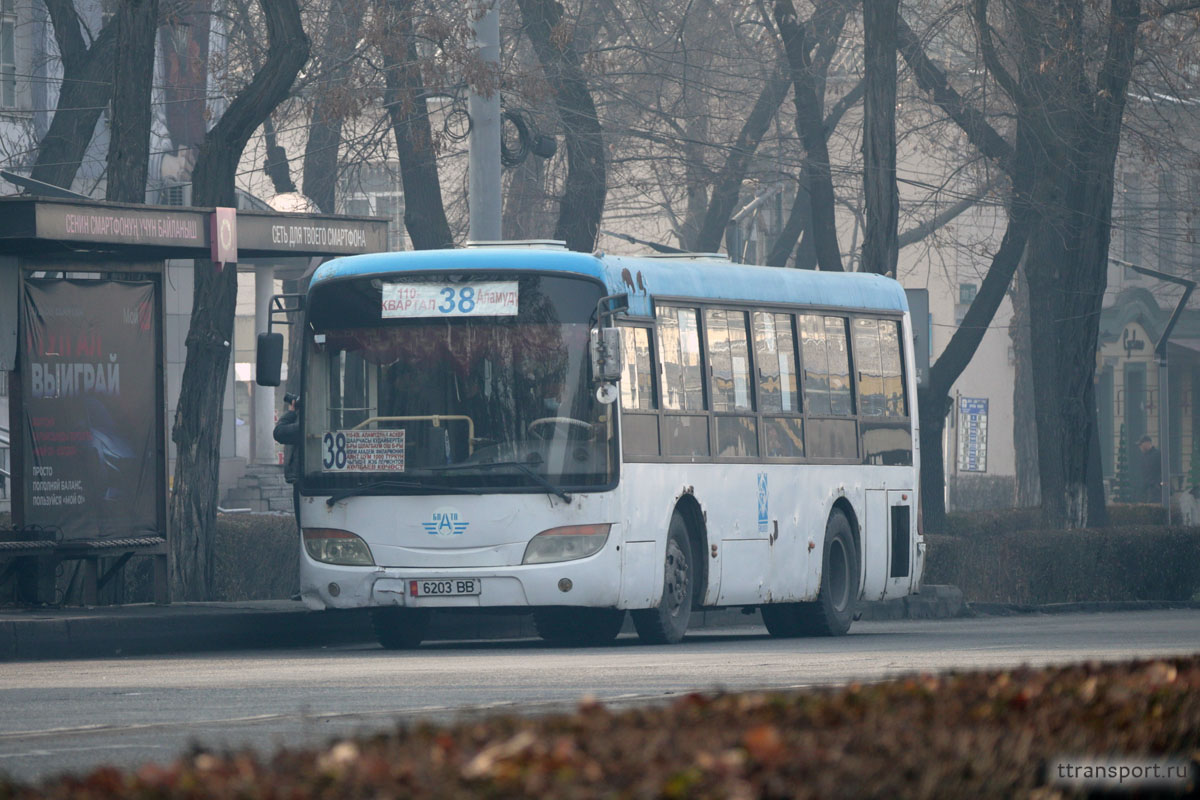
x=592, y=582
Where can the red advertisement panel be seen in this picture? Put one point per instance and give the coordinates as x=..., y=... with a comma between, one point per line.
x=89, y=394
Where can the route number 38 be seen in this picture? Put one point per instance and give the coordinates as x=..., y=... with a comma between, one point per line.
x=334, y=455
x=461, y=299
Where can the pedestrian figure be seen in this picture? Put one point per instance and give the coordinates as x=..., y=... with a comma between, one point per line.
x=1151, y=471
x=287, y=432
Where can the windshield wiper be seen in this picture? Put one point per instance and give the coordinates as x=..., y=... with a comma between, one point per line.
x=538, y=479
x=342, y=494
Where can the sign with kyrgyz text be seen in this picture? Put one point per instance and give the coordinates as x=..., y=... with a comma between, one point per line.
x=89, y=407
x=122, y=225
x=363, y=451
x=420, y=300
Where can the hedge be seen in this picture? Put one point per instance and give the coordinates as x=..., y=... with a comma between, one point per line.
x=1137, y=562
x=257, y=558
x=1009, y=520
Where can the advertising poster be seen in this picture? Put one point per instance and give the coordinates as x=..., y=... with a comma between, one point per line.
x=89, y=394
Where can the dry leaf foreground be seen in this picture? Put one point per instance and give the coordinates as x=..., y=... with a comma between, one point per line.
x=974, y=735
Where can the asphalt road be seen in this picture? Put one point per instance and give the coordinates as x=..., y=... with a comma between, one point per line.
x=61, y=716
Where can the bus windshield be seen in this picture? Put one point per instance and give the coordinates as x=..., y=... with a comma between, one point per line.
x=497, y=397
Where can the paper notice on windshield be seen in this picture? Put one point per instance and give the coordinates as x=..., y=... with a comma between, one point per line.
x=362, y=451
x=423, y=300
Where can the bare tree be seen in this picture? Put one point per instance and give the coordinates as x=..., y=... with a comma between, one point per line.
x=133, y=74
x=586, y=185
x=83, y=96
x=197, y=428
x=333, y=102
x=407, y=104
x=810, y=118
x=882, y=198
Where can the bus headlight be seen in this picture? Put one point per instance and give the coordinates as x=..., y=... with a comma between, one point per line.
x=566, y=544
x=333, y=546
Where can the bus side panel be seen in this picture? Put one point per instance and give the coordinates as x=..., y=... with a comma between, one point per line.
x=875, y=545
x=918, y=540
x=649, y=494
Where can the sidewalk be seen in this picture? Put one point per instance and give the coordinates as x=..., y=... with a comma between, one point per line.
x=108, y=631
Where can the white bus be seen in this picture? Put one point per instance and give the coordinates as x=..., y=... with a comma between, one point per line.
x=525, y=427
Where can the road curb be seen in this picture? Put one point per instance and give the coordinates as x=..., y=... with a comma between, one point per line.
x=1090, y=607
x=115, y=631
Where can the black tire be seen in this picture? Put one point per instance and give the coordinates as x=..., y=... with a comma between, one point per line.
x=833, y=610
x=400, y=628
x=668, y=622
x=578, y=626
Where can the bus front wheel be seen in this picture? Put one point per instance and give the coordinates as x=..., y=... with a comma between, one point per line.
x=667, y=623
x=400, y=628
x=833, y=610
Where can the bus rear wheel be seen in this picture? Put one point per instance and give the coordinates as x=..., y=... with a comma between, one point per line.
x=578, y=626
x=833, y=610
x=400, y=628
x=667, y=623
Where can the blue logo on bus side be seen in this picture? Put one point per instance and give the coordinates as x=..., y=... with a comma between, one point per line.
x=445, y=522
x=763, y=511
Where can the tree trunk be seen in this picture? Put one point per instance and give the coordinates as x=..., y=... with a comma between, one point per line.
x=83, y=96
x=197, y=428
x=1078, y=133
x=424, y=212
x=932, y=409
x=277, y=166
x=586, y=186
x=793, y=232
x=342, y=26
x=934, y=402
x=696, y=175
x=882, y=198
x=525, y=202
x=133, y=74
x=1029, y=493
x=810, y=117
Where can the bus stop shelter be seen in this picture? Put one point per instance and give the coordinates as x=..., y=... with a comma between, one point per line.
x=84, y=338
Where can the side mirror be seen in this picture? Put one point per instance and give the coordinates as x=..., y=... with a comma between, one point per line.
x=606, y=355
x=269, y=358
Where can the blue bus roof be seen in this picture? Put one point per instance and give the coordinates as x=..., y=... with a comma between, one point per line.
x=642, y=277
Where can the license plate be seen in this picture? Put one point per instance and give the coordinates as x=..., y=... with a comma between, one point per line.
x=443, y=587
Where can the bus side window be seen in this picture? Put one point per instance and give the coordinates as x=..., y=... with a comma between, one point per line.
x=637, y=386
x=840, y=399
x=679, y=357
x=775, y=364
x=728, y=359
x=895, y=404
x=816, y=365
x=827, y=388
x=682, y=384
x=870, y=368
x=775, y=357
x=729, y=369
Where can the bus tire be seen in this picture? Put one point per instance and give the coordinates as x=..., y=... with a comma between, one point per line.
x=833, y=610
x=668, y=622
x=400, y=628
x=578, y=626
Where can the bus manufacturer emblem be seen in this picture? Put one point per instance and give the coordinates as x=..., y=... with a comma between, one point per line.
x=445, y=521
